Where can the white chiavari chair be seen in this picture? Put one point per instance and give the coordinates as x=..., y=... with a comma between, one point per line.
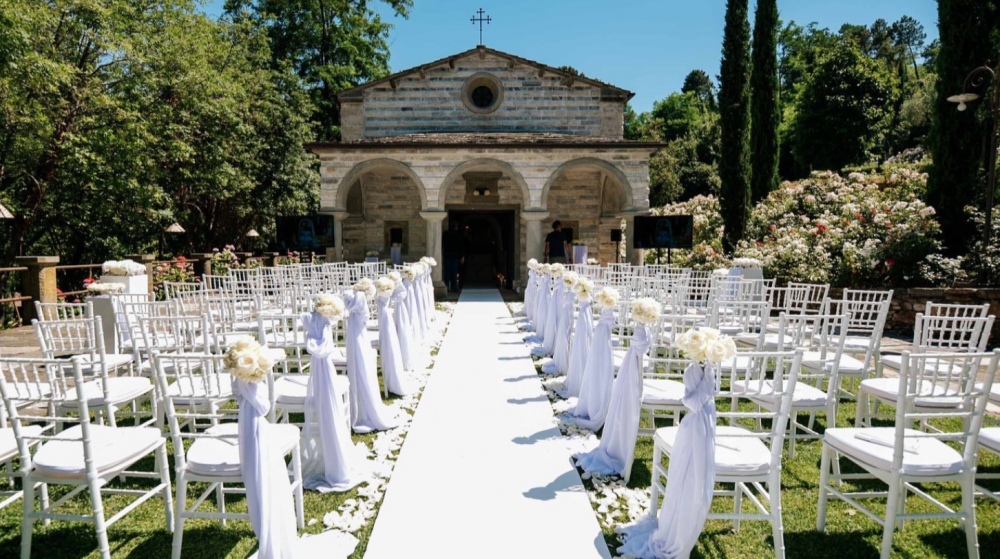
x=663, y=371
x=902, y=457
x=868, y=312
x=63, y=310
x=83, y=455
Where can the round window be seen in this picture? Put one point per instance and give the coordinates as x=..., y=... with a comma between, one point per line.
x=482, y=93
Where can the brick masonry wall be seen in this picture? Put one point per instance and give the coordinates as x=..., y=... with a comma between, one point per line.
x=906, y=303
x=387, y=197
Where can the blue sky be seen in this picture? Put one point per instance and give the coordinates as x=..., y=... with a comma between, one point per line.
x=646, y=46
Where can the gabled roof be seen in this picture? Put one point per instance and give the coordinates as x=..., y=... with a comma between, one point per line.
x=607, y=90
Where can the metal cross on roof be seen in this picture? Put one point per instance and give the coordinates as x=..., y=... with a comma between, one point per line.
x=480, y=21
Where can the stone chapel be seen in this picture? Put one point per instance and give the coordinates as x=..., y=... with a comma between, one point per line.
x=502, y=144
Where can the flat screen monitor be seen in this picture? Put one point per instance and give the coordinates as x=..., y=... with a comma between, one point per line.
x=305, y=232
x=664, y=231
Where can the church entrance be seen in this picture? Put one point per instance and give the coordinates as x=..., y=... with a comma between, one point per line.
x=490, y=249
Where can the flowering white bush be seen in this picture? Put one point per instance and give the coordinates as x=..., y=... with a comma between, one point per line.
x=646, y=310
x=983, y=262
x=330, y=306
x=607, y=297
x=708, y=227
x=384, y=286
x=122, y=268
x=101, y=288
x=249, y=361
x=365, y=286
x=583, y=289
x=706, y=345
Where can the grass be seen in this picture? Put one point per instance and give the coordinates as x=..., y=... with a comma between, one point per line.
x=142, y=534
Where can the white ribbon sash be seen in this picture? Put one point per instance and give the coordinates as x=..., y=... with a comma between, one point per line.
x=598, y=377
x=404, y=330
x=395, y=377
x=579, y=350
x=368, y=413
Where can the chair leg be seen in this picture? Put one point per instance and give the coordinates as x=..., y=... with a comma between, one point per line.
x=101, y=530
x=969, y=508
x=737, y=505
x=824, y=480
x=111, y=415
x=862, y=408
x=890, y=516
x=300, y=514
x=777, y=526
x=220, y=500
x=163, y=466
x=179, y=521
x=45, y=501
x=792, y=429
x=27, y=522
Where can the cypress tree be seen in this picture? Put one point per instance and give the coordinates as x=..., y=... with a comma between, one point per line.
x=734, y=113
x=969, y=32
x=764, y=107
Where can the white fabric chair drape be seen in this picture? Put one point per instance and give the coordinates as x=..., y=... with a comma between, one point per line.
x=368, y=413
x=564, y=327
x=330, y=460
x=393, y=374
x=529, y=300
x=411, y=309
x=429, y=287
x=421, y=316
x=404, y=330
x=552, y=318
x=617, y=447
x=690, y=478
x=541, y=309
x=584, y=332
x=598, y=377
x=265, y=476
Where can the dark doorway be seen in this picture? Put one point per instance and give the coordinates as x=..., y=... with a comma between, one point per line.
x=491, y=252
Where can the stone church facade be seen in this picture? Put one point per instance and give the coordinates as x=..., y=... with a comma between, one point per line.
x=501, y=144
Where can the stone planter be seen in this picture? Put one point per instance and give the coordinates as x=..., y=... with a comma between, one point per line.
x=371, y=259
x=134, y=285
x=579, y=254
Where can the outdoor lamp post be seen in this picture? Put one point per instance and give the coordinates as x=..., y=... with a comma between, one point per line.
x=977, y=79
x=174, y=229
x=253, y=235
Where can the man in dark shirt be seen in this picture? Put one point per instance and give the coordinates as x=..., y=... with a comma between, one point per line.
x=453, y=252
x=556, y=247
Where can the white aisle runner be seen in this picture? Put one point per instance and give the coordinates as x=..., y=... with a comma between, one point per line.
x=483, y=472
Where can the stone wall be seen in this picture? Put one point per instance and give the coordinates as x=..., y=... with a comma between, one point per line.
x=531, y=103
x=906, y=303
x=387, y=197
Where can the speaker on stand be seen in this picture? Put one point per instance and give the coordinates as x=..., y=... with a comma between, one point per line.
x=616, y=237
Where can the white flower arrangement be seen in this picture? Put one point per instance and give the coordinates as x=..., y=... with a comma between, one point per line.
x=747, y=263
x=384, y=286
x=706, y=345
x=583, y=289
x=122, y=268
x=409, y=272
x=371, y=253
x=101, y=288
x=396, y=277
x=646, y=310
x=330, y=306
x=428, y=261
x=569, y=279
x=592, y=261
x=366, y=286
x=545, y=269
x=720, y=272
x=607, y=298
x=533, y=264
x=249, y=361
x=557, y=270
x=419, y=268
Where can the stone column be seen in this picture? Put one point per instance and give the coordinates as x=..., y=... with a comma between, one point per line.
x=338, y=236
x=434, y=220
x=533, y=237
x=147, y=260
x=202, y=262
x=38, y=282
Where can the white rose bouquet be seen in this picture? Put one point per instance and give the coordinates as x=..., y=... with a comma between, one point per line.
x=248, y=361
x=557, y=270
x=410, y=272
x=419, y=269
x=428, y=261
x=330, y=306
x=720, y=272
x=746, y=263
x=592, y=261
x=533, y=264
x=583, y=289
x=122, y=268
x=396, y=278
x=384, y=286
x=646, y=310
x=367, y=286
x=570, y=279
x=706, y=345
x=545, y=269
x=101, y=288
x=607, y=298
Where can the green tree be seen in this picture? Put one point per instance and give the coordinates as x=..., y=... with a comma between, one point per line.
x=678, y=114
x=699, y=83
x=687, y=167
x=764, y=97
x=734, y=111
x=970, y=34
x=331, y=46
x=844, y=111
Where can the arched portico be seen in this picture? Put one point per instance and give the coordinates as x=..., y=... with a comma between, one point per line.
x=378, y=164
x=483, y=164
x=619, y=180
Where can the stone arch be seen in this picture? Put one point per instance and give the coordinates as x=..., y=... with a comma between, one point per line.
x=612, y=170
x=482, y=164
x=346, y=183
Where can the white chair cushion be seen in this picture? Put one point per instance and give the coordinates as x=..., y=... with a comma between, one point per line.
x=8, y=444
x=888, y=389
x=618, y=357
x=738, y=363
x=221, y=457
x=734, y=455
x=857, y=343
x=895, y=362
x=291, y=389
x=187, y=389
x=112, y=360
x=662, y=392
x=112, y=448
x=120, y=390
x=929, y=456
x=813, y=360
x=804, y=396
x=990, y=438
x=770, y=341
